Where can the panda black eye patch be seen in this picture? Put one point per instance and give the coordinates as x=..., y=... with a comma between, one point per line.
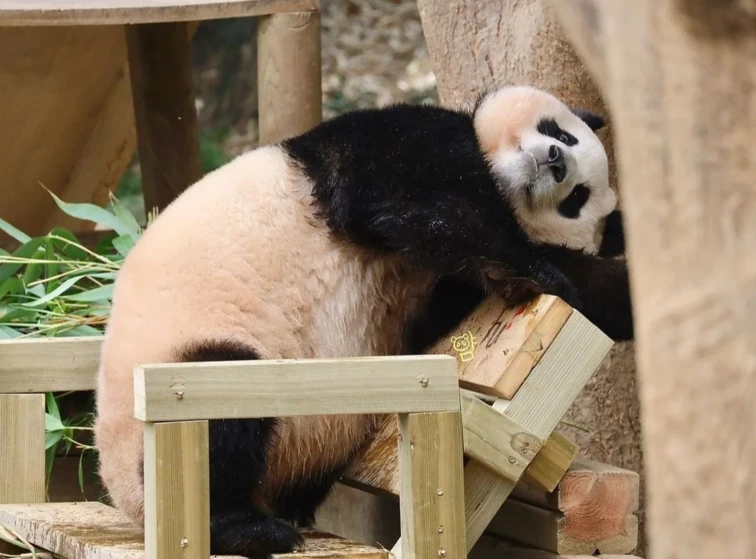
x=570, y=207
x=549, y=127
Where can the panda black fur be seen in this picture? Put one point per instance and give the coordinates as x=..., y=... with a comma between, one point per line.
x=351, y=239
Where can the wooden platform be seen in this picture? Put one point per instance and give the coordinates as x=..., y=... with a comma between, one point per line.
x=118, y=12
x=96, y=531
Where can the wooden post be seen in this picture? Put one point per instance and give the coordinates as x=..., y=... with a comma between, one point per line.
x=432, y=488
x=22, y=448
x=289, y=74
x=166, y=118
x=177, y=490
x=681, y=80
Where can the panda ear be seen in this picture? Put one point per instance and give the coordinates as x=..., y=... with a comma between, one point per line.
x=594, y=121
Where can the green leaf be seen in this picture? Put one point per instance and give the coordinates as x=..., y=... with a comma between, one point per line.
x=52, y=438
x=26, y=250
x=32, y=273
x=97, y=294
x=90, y=212
x=58, y=291
x=11, y=286
x=128, y=222
x=20, y=236
x=53, y=424
x=81, y=473
x=71, y=252
x=51, y=404
x=123, y=244
x=18, y=314
x=8, y=333
x=82, y=330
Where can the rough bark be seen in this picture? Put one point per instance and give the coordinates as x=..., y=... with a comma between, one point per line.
x=680, y=78
x=478, y=45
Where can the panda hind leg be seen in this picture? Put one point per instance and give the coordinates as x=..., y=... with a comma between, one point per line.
x=238, y=463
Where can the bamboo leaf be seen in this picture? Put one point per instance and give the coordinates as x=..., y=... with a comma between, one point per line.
x=26, y=250
x=97, y=294
x=91, y=212
x=17, y=234
x=8, y=333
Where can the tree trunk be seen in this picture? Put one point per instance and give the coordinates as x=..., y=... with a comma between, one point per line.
x=680, y=77
x=476, y=46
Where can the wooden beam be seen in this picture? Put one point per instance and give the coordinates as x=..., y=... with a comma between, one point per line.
x=166, y=118
x=498, y=346
x=22, y=448
x=112, y=12
x=432, y=494
x=49, y=364
x=177, y=490
x=550, y=465
x=490, y=547
x=496, y=441
x=289, y=69
x=184, y=391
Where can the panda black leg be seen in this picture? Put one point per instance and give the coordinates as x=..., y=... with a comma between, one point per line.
x=238, y=464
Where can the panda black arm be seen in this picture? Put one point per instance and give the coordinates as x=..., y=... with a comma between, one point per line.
x=613, y=241
x=603, y=288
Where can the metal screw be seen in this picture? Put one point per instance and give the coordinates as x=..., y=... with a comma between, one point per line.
x=440, y=529
x=184, y=542
x=440, y=492
x=424, y=382
x=179, y=394
x=512, y=460
x=442, y=553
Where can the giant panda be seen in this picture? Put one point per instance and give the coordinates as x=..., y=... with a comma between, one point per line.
x=351, y=239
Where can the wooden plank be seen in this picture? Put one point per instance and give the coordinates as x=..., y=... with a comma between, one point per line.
x=490, y=547
x=111, y=12
x=498, y=346
x=539, y=404
x=593, y=508
x=551, y=463
x=291, y=387
x=92, y=530
x=289, y=70
x=177, y=490
x=166, y=118
x=377, y=467
x=22, y=448
x=544, y=529
x=49, y=364
x=432, y=493
x=496, y=441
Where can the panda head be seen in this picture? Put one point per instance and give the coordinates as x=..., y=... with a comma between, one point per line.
x=549, y=163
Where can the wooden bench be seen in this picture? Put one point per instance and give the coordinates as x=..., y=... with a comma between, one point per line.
x=120, y=63
x=539, y=355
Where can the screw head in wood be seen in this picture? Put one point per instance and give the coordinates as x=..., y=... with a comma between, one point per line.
x=179, y=394
x=424, y=381
x=442, y=553
x=440, y=529
x=440, y=492
x=184, y=542
x=512, y=459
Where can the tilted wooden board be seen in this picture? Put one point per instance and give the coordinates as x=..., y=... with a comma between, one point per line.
x=497, y=346
x=95, y=531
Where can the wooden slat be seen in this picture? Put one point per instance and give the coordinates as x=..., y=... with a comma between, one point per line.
x=22, y=448
x=544, y=529
x=432, y=494
x=489, y=547
x=111, y=12
x=551, y=463
x=92, y=530
x=497, y=346
x=539, y=404
x=593, y=508
x=49, y=365
x=496, y=441
x=176, y=392
x=166, y=118
x=177, y=490
x=289, y=74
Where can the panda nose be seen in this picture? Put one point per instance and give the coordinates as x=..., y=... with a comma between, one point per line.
x=557, y=163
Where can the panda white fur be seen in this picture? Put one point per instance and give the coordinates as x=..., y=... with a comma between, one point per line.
x=369, y=235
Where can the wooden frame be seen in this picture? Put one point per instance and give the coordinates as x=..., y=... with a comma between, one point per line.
x=176, y=452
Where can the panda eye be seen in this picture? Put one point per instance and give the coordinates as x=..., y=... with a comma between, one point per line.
x=563, y=138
